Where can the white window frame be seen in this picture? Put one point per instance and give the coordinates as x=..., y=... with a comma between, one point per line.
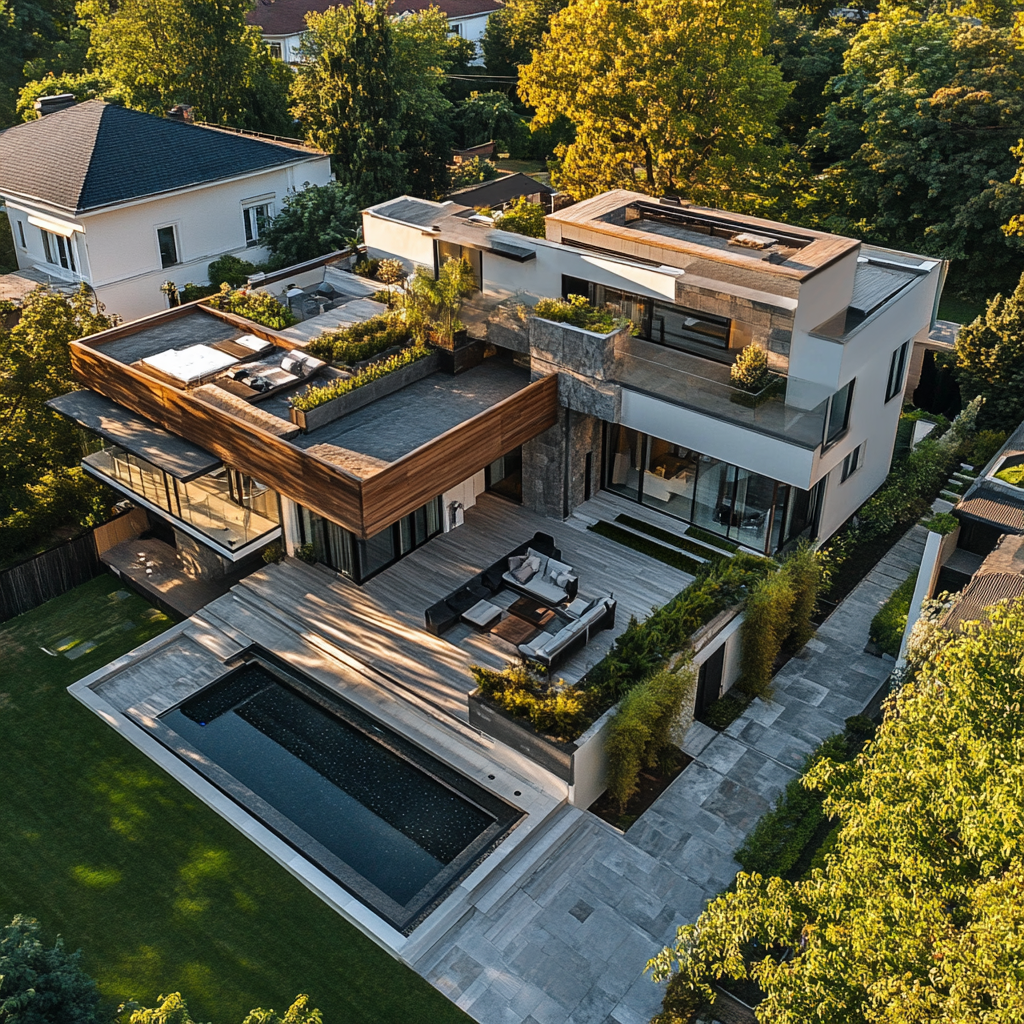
x=59, y=251
x=176, y=235
x=280, y=50
x=250, y=224
x=852, y=462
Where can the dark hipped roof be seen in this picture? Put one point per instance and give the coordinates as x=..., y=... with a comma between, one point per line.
x=96, y=154
x=984, y=590
x=288, y=17
x=500, y=190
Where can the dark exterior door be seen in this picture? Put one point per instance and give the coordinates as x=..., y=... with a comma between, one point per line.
x=709, y=682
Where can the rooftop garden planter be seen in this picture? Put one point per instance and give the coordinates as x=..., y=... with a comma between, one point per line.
x=320, y=405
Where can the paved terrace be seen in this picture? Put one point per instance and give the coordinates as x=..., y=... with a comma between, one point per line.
x=381, y=622
x=568, y=942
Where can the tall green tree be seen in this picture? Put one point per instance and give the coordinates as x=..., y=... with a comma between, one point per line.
x=318, y=220
x=156, y=53
x=490, y=115
x=918, y=143
x=43, y=985
x=917, y=915
x=665, y=97
x=990, y=360
x=371, y=92
x=514, y=31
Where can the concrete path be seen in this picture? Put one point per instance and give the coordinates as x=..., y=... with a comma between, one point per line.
x=568, y=941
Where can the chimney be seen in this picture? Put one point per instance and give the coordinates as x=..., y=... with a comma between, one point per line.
x=181, y=112
x=51, y=104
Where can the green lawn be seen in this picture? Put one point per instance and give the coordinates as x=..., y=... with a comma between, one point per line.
x=959, y=311
x=159, y=891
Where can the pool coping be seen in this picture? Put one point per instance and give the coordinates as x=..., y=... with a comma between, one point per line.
x=541, y=794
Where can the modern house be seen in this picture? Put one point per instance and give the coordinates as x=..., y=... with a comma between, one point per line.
x=444, y=515
x=283, y=22
x=497, y=194
x=127, y=202
x=654, y=416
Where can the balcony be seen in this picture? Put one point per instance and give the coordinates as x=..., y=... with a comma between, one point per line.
x=225, y=509
x=704, y=386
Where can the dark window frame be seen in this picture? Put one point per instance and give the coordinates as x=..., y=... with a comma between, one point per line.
x=164, y=262
x=833, y=435
x=852, y=463
x=897, y=372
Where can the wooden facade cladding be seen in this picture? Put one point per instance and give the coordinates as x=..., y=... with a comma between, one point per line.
x=364, y=506
x=458, y=453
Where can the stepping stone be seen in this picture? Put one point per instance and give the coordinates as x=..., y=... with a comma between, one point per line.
x=82, y=648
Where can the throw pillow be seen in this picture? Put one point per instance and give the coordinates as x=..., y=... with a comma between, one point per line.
x=562, y=579
x=515, y=561
x=523, y=573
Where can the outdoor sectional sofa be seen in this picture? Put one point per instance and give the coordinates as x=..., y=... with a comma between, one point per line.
x=440, y=617
x=551, y=649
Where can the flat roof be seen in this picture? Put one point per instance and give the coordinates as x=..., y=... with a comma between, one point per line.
x=178, y=458
x=193, y=328
x=679, y=229
x=397, y=424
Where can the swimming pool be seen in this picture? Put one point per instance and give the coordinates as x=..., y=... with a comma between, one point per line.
x=391, y=823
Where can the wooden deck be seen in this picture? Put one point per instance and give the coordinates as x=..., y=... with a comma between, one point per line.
x=381, y=623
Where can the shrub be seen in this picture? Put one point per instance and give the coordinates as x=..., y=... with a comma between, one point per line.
x=472, y=172
x=64, y=496
x=360, y=341
x=272, y=553
x=890, y=621
x=766, y=625
x=230, y=270
x=1012, y=475
x=943, y=523
x=307, y=554
x=981, y=448
x=580, y=313
x=558, y=710
x=190, y=292
x=803, y=569
x=314, y=396
x=258, y=306
x=750, y=371
x=721, y=713
x=680, y=1003
x=367, y=267
x=783, y=833
x=522, y=217
x=640, y=731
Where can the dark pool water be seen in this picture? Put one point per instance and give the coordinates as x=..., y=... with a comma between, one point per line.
x=389, y=820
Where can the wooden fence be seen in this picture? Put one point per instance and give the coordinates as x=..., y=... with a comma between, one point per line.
x=54, y=572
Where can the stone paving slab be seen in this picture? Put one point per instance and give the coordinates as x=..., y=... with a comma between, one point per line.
x=568, y=943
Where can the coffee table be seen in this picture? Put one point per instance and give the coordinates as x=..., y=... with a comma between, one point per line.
x=515, y=630
x=532, y=610
x=482, y=615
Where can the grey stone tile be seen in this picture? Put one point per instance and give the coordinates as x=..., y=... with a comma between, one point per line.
x=720, y=754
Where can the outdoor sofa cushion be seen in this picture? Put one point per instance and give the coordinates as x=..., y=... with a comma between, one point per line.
x=542, y=583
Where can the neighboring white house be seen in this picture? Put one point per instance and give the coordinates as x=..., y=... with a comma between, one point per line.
x=837, y=318
x=126, y=201
x=282, y=22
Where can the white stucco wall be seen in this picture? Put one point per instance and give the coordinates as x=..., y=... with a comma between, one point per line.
x=117, y=247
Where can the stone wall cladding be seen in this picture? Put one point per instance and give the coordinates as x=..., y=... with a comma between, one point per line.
x=507, y=330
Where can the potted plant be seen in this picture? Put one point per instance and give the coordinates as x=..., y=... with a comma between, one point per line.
x=750, y=374
x=442, y=298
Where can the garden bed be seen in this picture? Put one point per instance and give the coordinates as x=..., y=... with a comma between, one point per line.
x=653, y=782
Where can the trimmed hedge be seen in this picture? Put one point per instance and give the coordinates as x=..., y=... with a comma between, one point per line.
x=360, y=341
x=711, y=538
x=315, y=396
x=646, y=547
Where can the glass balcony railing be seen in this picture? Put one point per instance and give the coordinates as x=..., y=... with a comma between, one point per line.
x=704, y=386
x=231, y=513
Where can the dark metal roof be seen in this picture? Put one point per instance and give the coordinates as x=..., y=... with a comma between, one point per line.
x=133, y=433
x=501, y=190
x=984, y=590
x=419, y=212
x=95, y=154
x=288, y=17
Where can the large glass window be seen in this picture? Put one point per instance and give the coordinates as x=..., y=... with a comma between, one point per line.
x=838, y=414
x=227, y=507
x=360, y=559
x=744, y=506
x=257, y=220
x=450, y=250
x=504, y=476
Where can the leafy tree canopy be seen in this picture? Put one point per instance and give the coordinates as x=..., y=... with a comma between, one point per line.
x=665, y=97
x=472, y=172
x=919, y=139
x=515, y=31
x=371, y=92
x=523, y=217
x=40, y=985
x=917, y=915
x=490, y=115
x=318, y=220
x=85, y=85
x=174, y=1010
x=990, y=360
x=156, y=53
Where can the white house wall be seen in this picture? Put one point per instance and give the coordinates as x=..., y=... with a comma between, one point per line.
x=123, y=253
